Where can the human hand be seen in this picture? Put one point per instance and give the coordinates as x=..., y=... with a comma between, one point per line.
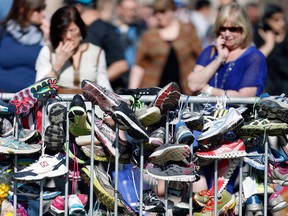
x=45, y=28
x=268, y=36
x=63, y=52
x=221, y=48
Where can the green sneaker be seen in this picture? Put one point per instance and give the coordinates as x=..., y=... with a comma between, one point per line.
x=226, y=202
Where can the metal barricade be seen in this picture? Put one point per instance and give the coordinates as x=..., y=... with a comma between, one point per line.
x=67, y=98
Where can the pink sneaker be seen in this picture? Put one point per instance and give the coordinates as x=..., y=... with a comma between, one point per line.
x=276, y=202
x=227, y=150
x=58, y=205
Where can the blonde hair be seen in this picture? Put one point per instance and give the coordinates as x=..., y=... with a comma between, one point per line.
x=235, y=15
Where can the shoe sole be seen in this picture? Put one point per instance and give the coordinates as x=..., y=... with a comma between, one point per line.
x=7, y=150
x=25, y=99
x=279, y=206
x=78, y=122
x=101, y=194
x=151, y=117
x=56, y=212
x=172, y=153
x=57, y=114
x=180, y=178
x=272, y=110
x=227, y=155
x=54, y=137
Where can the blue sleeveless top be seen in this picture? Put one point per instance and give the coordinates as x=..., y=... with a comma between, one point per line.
x=249, y=70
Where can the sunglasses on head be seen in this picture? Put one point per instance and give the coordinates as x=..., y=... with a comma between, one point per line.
x=230, y=29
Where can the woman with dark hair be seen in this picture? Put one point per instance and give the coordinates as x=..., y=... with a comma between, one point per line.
x=70, y=59
x=21, y=40
x=272, y=40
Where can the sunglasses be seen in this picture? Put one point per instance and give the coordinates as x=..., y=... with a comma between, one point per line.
x=231, y=29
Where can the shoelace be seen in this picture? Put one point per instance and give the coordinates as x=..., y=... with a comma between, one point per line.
x=75, y=170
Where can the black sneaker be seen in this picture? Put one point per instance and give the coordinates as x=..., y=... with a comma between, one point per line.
x=152, y=203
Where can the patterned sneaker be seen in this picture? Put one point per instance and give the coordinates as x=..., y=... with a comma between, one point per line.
x=226, y=150
x=9, y=145
x=276, y=202
x=226, y=202
x=115, y=106
x=254, y=206
x=273, y=107
x=152, y=203
x=278, y=175
x=174, y=172
x=102, y=186
x=156, y=138
x=183, y=135
x=46, y=167
x=78, y=117
x=167, y=98
x=170, y=152
x=222, y=125
x=54, y=138
x=25, y=99
x=103, y=133
x=57, y=113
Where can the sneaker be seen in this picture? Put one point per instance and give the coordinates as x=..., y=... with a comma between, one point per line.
x=152, y=203
x=254, y=206
x=57, y=207
x=46, y=167
x=25, y=99
x=194, y=121
x=226, y=150
x=224, y=203
x=276, y=202
x=180, y=209
x=102, y=186
x=273, y=107
x=174, y=172
x=222, y=125
x=103, y=133
x=278, y=175
x=57, y=113
x=170, y=152
x=78, y=117
x=257, y=161
x=75, y=206
x=10, y=145
x=167, y=98
x=75, y=152
x=54, y=138
x=183, y=135
x=156, y=138
x=115, y=106
x=29, y=136
x=6, y=128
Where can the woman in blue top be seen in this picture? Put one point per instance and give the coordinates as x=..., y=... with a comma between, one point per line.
x=20, y=43
x=233, y=64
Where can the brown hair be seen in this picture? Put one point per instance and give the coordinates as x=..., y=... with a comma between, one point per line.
x=164, y=5
x=21, y=11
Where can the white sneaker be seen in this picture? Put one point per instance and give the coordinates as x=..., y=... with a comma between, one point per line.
x=75, y=206
x=46, y=167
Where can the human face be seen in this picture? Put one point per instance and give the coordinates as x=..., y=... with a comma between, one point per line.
x=232, y=34
x=164, y=18
x=128, y=11
x=277, y=22
x=72, y=34
x=37, y=15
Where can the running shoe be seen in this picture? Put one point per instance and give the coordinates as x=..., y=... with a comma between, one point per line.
x=273, y=107
x=156, y=138
x=277, y=174
x=46, y=167
x=254, y=206
x=174, y=172
x=183, y=134
x=224, y=203
x=170, y=152
x=29, y=136
x=10, y=145
x=194, y=121
x=25, y=99
x=115, y=106
x=227, y=149
x=167, y=98
x=152, y=203
x=276, y=202
x=76, y=207
x=54, y=138
x=220, y=126
x=78, y=117
x=6, y=128
x=102, y=186
x=57, y=113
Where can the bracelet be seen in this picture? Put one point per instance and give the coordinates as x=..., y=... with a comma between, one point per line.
x=219, y=60
x=209, y=90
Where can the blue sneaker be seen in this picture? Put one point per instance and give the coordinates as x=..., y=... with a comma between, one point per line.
x=254, y=206
x=183, y=134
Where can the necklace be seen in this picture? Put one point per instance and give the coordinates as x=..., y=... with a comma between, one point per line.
x=224, y=79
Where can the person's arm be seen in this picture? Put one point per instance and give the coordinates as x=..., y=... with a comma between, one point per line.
x=117, y=69
x=269, y=38
x=136, y=75
x=243, y=92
